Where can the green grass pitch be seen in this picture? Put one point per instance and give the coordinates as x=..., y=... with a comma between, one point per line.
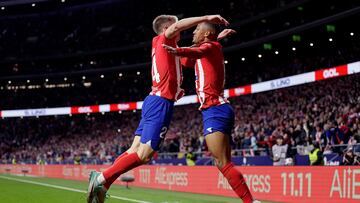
x=15, y=189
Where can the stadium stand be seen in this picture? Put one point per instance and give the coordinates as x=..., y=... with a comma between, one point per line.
x=327, y=113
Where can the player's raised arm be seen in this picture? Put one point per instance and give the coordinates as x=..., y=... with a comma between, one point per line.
x=187, y=23
x=191, y=52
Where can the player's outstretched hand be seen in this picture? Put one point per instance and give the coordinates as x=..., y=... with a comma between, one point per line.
x=225, y=33
x=169, y=49
x=217, y=19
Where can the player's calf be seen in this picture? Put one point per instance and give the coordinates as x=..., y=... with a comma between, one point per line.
x=237, y=182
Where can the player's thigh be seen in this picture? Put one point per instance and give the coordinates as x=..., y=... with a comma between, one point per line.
x=154, y=134
x=219, y=145
x=157, y=119
x=218, y=118
x=139, y=129
x=145, y=108
x=137, y=135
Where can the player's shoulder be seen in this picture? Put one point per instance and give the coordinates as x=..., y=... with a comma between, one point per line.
x=156, y=39
x=161, y=39
x=211, y=44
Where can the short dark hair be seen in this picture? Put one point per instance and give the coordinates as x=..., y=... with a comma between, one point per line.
x=215, y=28
x=163, y=20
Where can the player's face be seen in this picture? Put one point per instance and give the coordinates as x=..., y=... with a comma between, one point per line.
x=199, y=34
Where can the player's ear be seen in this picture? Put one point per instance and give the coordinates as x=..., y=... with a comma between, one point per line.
x=207, y=33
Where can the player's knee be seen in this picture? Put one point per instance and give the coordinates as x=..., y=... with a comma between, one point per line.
x=145, y=153
x=144, y=158
x=133, y=149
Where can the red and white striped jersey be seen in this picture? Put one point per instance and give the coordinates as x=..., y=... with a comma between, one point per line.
x=166, y=70
x=209, y=65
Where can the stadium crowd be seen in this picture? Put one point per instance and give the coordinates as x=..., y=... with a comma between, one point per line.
x=323, y=114
x=238, y=73
x=324, y=54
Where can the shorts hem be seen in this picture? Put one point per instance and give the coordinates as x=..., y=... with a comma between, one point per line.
x=222, y=131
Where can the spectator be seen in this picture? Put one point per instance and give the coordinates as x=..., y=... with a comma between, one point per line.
x=349, y=157
x=316, y=156
x=279, y=151
x=301, y=115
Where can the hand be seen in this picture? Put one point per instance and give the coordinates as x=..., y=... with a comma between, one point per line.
x=169, y=49
x=225, y=33
x=217, y=19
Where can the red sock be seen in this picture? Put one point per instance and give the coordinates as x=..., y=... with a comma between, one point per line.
x=122, y=165
x=237, y=182
x=110, y=181
x=119, y=157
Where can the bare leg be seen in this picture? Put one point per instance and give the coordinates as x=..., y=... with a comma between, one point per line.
x=219, y=146
x=135, y=145
x=145, y=153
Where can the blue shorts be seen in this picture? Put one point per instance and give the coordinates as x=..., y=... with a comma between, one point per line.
x=218, y=119
x=155, y=120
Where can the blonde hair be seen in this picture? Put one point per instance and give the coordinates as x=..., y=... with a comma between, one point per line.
x=162, y=21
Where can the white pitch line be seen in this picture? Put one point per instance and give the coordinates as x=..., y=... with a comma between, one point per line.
x=68, y=189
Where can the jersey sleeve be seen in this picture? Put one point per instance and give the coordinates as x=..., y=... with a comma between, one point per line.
x=194, y=52
x=164, y=40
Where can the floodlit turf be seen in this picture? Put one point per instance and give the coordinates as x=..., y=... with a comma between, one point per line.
x=13, y=191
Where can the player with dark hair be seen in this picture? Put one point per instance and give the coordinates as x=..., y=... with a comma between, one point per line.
x=218, y=116
x=157, y=108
